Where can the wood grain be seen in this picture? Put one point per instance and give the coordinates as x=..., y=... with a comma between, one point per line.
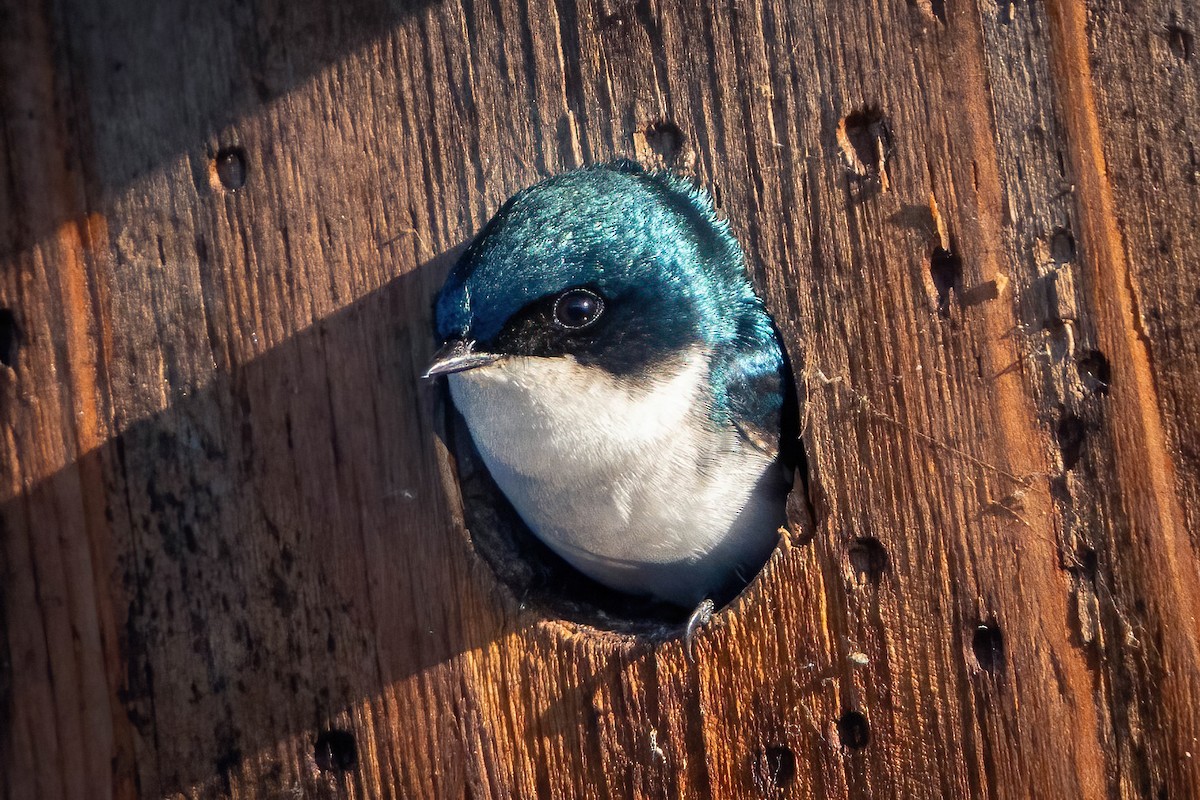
x=234, y=561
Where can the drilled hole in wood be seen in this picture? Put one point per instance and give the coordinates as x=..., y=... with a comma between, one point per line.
x=945, y=270
x=853, y=730
x=931, y=10
x=987, y=643
x=10, y=338
x=865, y=142
x=1095, y=372
x=1182, y=42
x=1087, y=561
x=1070, y=433
x=1062, y=246
x=868, y=559
x=777, y=767
x=336, y=751
x=659, y=142
x=228, y=169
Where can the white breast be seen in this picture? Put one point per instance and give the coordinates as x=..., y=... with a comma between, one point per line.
x=630, y=483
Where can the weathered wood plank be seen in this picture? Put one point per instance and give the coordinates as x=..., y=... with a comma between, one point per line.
x=234, y=559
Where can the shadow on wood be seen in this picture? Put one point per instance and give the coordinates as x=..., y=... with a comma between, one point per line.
x=268, y=525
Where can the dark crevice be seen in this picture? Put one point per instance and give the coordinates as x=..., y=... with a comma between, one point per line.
x=1070, y=432
x=987, y=643
x=946, y=272
x=229, y=168
x=1095, y=372
x=776, y=767
x=335, y=751
x=665, y=142
x=865, y=141
x=854, y=730
x=869, y=559
x=930, y=10
x=10, y=338
x=1181, y=42
x=1062, y=246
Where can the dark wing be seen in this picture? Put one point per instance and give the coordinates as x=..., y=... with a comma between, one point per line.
x=753, y=390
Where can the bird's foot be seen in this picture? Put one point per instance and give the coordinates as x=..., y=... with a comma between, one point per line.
x=699, y=618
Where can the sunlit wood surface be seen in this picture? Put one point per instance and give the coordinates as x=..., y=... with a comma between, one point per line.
x=233, y=562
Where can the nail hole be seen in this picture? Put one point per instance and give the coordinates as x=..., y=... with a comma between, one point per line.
x=336, y=751
x=1095, y=372
x=1062, y=246
x=1181, y=42
x=1086, y=561
x=1070, y=434
x=988, y=645
x=869, y=559
x=659, y=142
x=865, y=143
x=777, y=767
x=229, y=169
x=10, y=338
x=945, y=270
x=930, y=9
x=854, y=730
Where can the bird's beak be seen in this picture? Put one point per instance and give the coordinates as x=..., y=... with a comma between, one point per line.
x=457, y=355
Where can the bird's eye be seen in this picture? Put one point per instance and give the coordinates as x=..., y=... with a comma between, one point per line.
x=577, y=308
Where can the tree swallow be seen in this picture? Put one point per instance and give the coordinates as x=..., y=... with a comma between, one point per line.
x=622, y=381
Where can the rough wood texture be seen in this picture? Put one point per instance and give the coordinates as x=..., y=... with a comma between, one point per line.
x=232, y=553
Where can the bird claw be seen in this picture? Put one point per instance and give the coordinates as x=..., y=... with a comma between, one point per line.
x=699, y=618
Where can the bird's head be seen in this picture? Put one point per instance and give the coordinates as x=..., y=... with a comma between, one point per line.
x=612, y=266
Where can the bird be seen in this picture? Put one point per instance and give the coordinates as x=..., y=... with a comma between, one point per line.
x=623, y=382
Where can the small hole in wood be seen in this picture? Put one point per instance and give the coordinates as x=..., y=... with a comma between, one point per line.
x=1087, y=561
x=868, y=559
x=229, y=169
x=1062, y=246
x=1095, y=372
x=777, y=767
x=1070, y=433
x=865, y=142
x=10, y=338
x=854, y=730
x=987, y=643
x=930, y=10
x=336, y=751
x=945, y=270
x=1182, y=42
x=660, y=143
